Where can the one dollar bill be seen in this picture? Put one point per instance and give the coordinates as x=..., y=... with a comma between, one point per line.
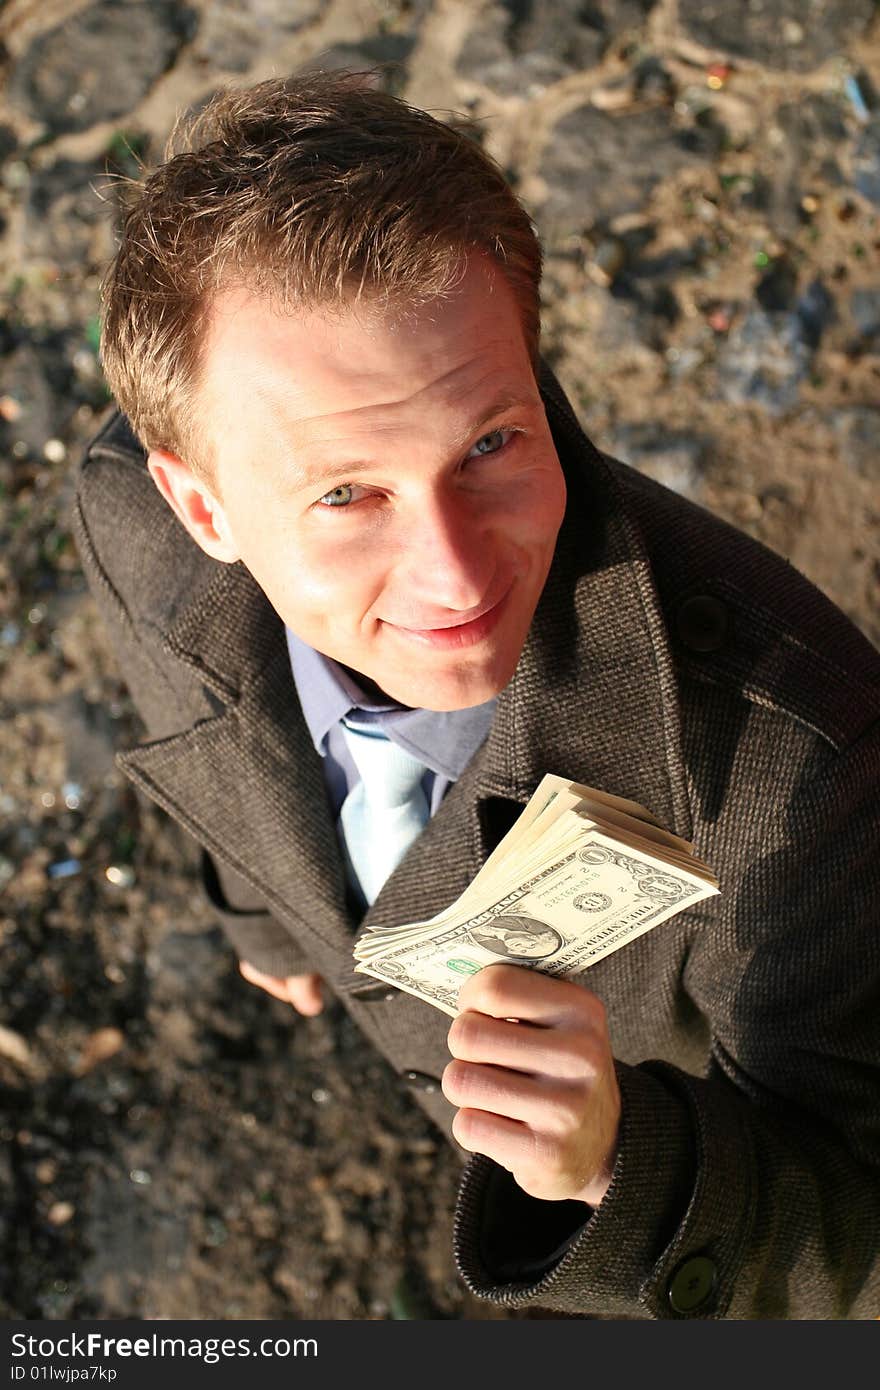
x=579, y=875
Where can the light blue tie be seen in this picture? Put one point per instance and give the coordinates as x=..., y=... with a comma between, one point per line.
x=385, y=812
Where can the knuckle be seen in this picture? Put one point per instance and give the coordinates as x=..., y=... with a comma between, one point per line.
x=463, y=1033
x=577, y=1058
x=463, y=1129
x=564, y=1114
x=548, y=1154
x=458, y=1082
x=495, y=985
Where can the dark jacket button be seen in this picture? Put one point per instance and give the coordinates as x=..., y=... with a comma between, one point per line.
x=420, y=1081
x=702, y=623
x=374, y=993
x=693, y=1284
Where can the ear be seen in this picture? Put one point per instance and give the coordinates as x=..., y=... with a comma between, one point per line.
x=193, y=504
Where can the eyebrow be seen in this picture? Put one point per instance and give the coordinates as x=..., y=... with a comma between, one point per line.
x=504, y=401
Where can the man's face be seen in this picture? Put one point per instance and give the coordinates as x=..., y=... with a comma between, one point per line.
x=542, y=943
x=391, y=484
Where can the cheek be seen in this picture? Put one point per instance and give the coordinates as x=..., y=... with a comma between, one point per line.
x=539, y=508
x=327, y=577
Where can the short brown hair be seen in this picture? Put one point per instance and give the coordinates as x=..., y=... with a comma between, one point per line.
x=310, y=189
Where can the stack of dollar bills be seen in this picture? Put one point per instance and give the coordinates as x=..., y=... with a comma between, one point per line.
x=579, y=875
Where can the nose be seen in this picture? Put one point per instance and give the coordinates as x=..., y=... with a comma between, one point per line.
x=449, y=558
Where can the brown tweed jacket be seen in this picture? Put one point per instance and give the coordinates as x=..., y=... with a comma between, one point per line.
x=671, y=660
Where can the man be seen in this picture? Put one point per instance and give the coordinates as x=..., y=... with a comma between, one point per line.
x=360, y=511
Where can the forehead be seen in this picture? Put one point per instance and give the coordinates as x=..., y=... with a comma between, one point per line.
x=307, y=374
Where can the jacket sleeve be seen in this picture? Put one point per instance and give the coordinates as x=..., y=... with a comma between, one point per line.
x=111, y=487
x=753, y=1191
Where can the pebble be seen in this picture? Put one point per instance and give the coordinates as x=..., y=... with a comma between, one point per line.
x=64, y=868
x=55, y=451
x=140, y=1177
x=120, y=875
x=99, y=1047
x=98, y=63
x=763, y=361
x=597, y=165
x=866, y=161
x=816, y=310
x=773, y=33
x=16, y=1049
x=856, y=99
x=859, y=433
x=608, y=260
x=865, y=309
x=61, y=1212
x=515, y=47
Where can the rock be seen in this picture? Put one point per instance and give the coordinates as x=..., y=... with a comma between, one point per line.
x=764, y=360
x=865, y=309
x=777, y=288
x=866, y=161
x=60, y=1213
x=8, y=142
x=776, y=33
x=98, y=1047
x=858, y=429
x=671, y=457
x=38, y=417
x=804, y=151
x=599, y=166
x=816, y=310
x=14, y=1047
x=232, y=32
x=389, y=52
x=814, y=125
x=184, y=962
x=99, y=63
x=623, y=320
x=89, y=738
x=66, y=220
x=526, y=44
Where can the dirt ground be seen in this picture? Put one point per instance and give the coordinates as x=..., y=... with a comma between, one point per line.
x=174, y=1143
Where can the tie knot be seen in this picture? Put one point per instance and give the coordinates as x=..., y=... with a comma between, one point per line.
x=389, y=774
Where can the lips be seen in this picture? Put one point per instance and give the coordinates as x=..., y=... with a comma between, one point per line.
x=460, y=632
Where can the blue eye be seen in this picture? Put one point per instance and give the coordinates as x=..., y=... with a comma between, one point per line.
x=338, y=496
x=491, y=443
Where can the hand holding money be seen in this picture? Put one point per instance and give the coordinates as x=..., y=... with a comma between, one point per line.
x=534, y=1077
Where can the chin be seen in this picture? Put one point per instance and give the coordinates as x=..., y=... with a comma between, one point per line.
x=450, y=692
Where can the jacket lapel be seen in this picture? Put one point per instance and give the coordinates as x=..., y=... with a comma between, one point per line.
x=593, y=698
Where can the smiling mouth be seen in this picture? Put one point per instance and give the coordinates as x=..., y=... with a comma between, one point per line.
x=464, y=632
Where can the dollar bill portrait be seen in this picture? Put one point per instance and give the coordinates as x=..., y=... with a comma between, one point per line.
x=524, y=938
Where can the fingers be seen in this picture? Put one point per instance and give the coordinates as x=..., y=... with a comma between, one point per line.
x=534, y=1081
x=277, y=988
x=538, y=1162
x=512, y=991
x=302, y=991
x=568, y=1053
x=507, y=1141
x=552, y=1106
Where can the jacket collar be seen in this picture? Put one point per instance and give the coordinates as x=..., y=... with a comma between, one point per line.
x=593, y=698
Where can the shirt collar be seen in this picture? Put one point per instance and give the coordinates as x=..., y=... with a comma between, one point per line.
x=444, y=740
